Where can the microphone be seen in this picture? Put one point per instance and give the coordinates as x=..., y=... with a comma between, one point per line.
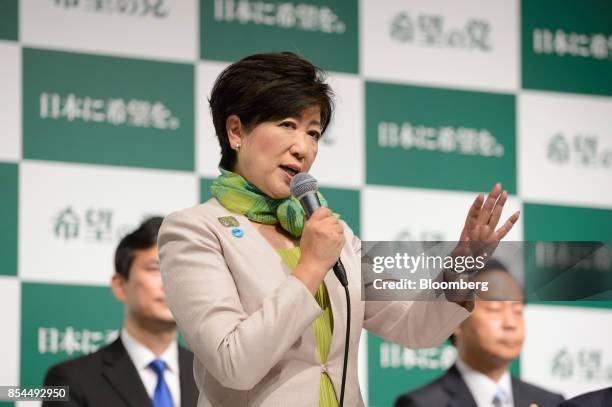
x=304, y=187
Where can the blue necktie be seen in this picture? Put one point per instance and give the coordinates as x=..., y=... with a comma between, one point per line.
x=161, y=397
x=500, y=398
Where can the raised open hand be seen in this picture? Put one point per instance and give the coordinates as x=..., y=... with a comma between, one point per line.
x=482, y=219
x=480, y=237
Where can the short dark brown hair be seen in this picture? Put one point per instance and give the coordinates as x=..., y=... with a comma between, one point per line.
x=266, y=87
x=142, y=238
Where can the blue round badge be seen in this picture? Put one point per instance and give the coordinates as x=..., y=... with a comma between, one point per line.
x=237, y=232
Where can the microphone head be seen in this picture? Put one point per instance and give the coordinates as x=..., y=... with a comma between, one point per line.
x=302, y=183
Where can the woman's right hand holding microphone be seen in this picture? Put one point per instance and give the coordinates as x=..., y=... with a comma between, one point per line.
x=320, y=245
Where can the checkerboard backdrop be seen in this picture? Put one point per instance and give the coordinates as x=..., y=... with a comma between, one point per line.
x=104, y=120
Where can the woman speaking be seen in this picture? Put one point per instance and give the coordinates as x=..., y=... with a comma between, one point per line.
x=247, y=276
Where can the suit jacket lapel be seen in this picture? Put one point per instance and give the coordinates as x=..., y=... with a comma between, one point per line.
x=121, y=373
x=253, y=239
x=457, y=390
x=607, y=398
x=189, y=391
x=517, y=394
x=278, y=270
x=520, y=393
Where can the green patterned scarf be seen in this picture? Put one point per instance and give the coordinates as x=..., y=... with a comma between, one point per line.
x=240, y=196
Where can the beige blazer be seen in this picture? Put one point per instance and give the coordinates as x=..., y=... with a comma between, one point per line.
x=249, y=321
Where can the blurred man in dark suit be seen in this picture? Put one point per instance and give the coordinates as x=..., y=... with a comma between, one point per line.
x=598, y=398
x=486, y=343
x=145, y=366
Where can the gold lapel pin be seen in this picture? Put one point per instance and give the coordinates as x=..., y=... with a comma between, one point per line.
x=228, y=221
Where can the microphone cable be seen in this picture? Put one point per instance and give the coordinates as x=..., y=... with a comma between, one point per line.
x=346, y=340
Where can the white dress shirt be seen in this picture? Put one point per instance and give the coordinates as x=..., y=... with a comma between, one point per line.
x=141, y=357
x=483, y=389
